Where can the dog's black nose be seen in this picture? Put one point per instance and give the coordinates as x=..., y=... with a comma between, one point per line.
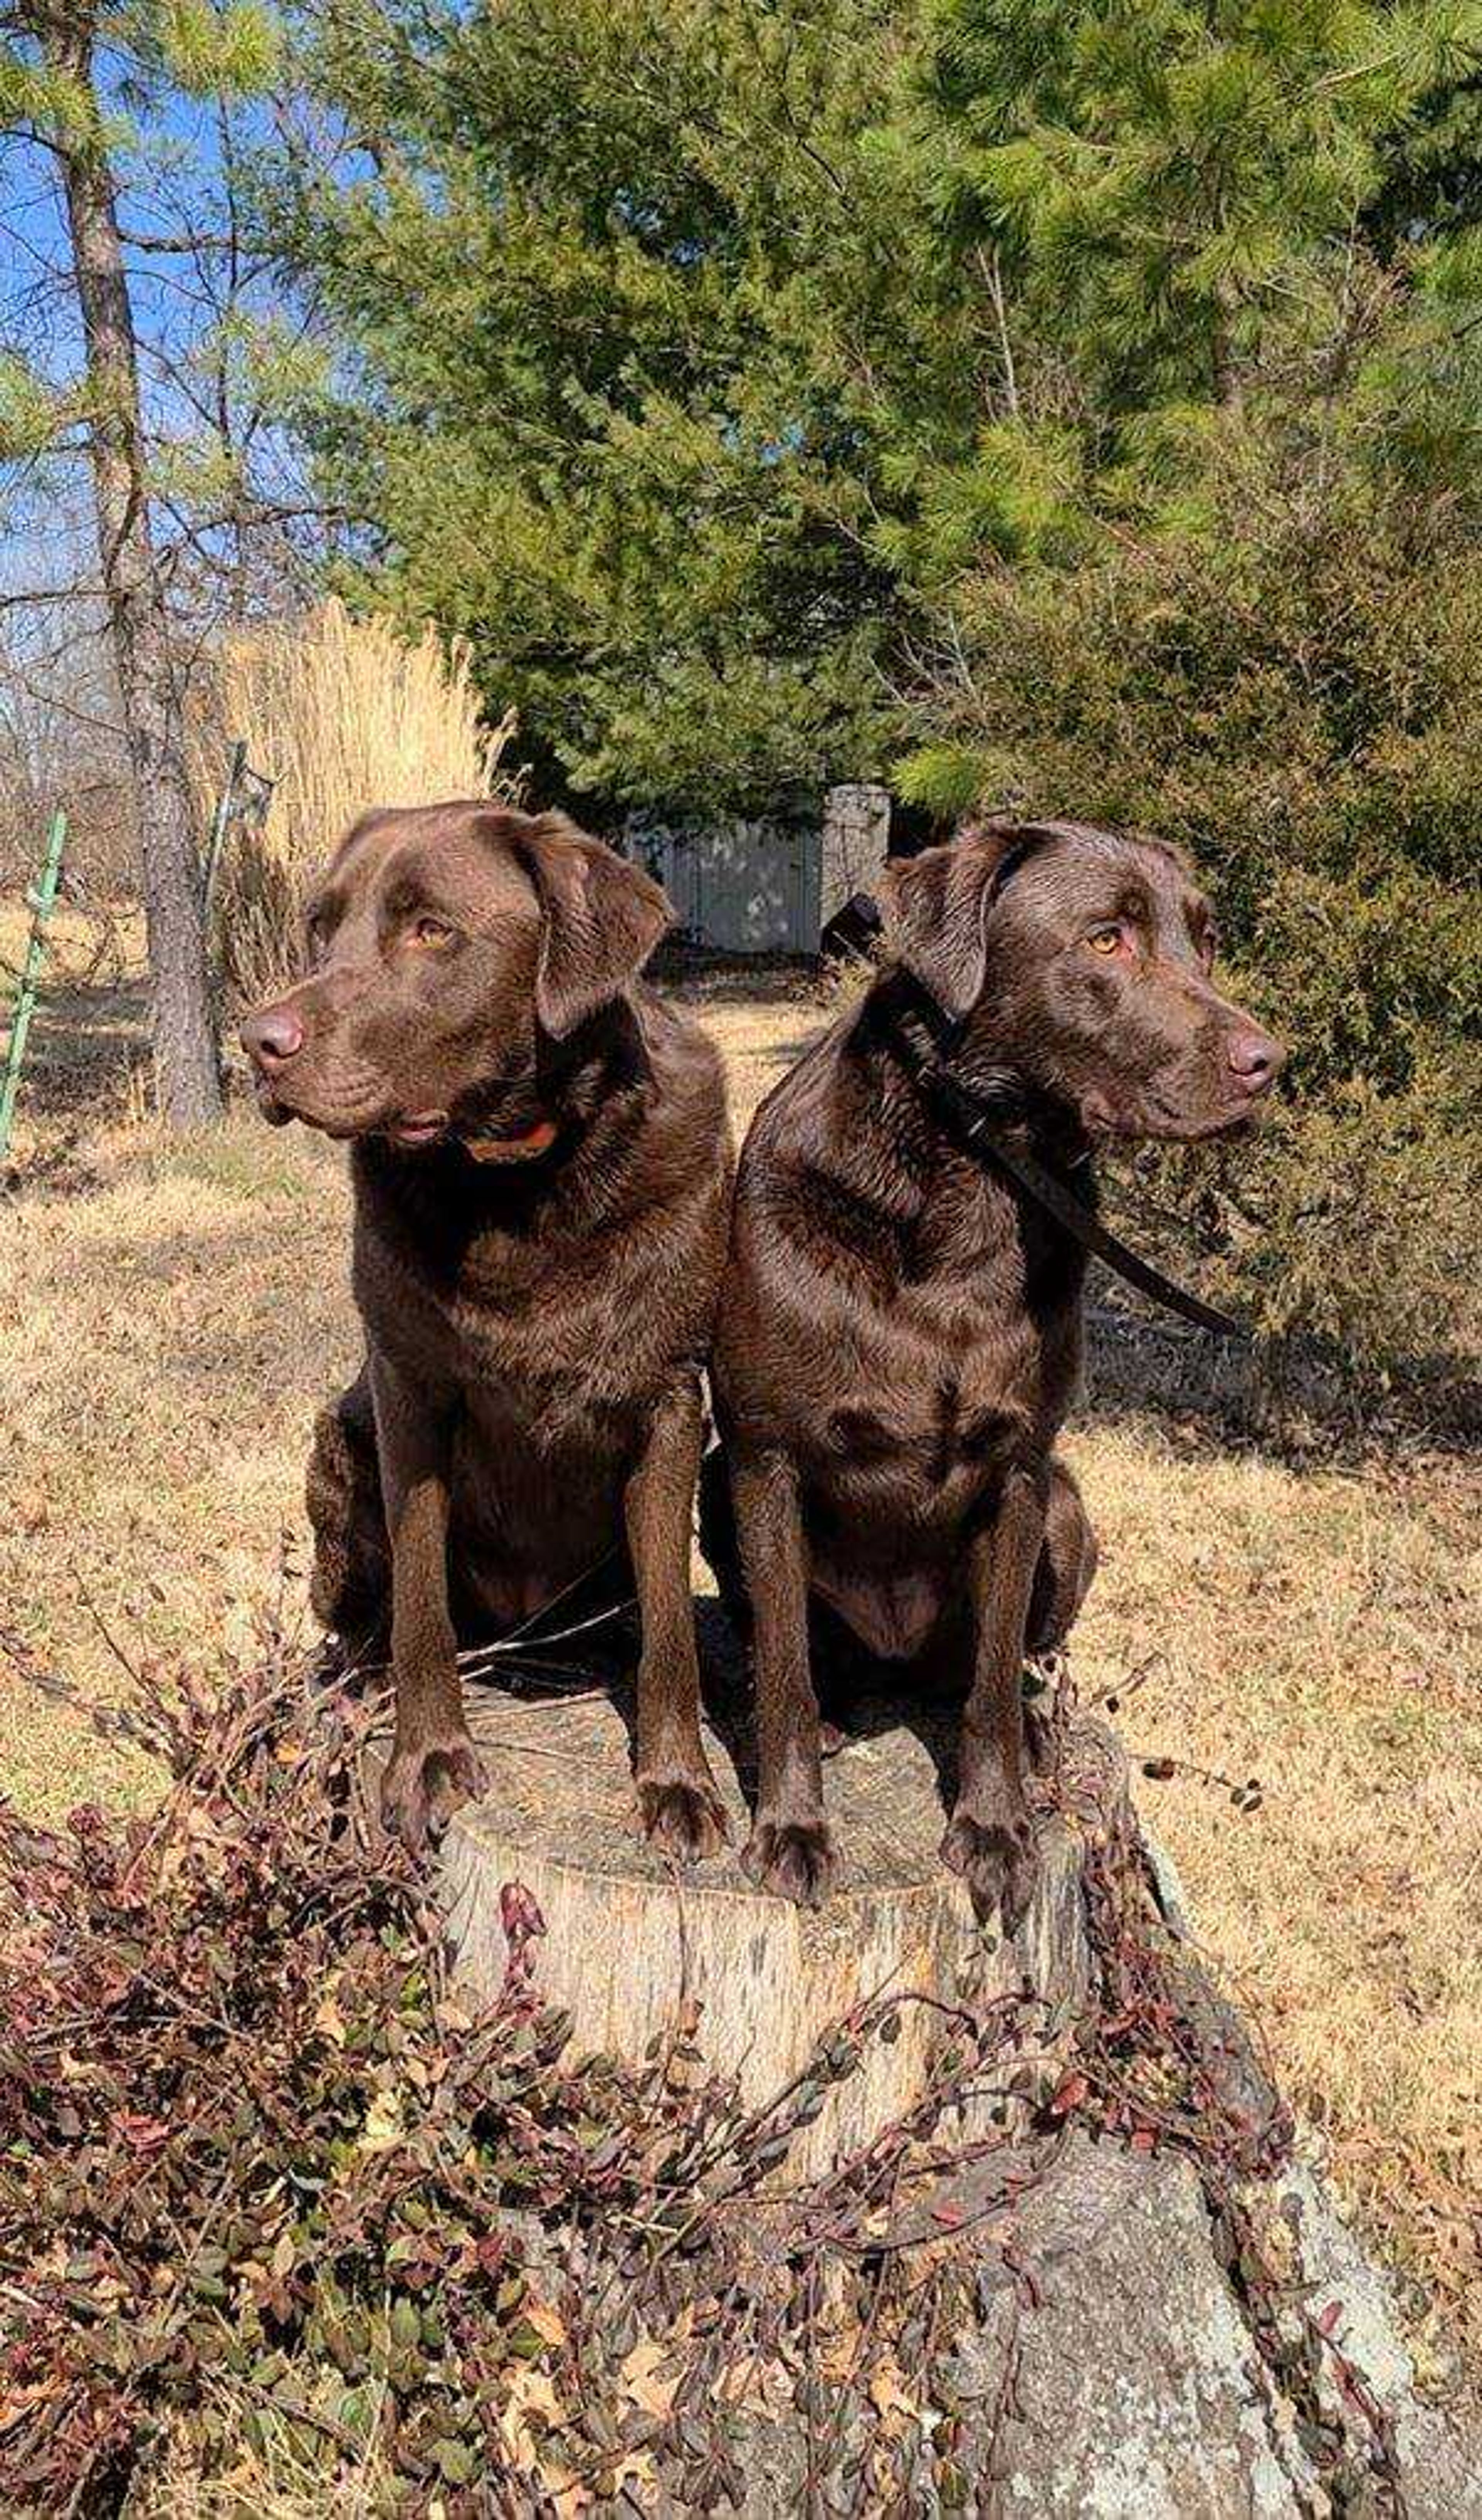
x=272, y=1038
x=1255, y=1059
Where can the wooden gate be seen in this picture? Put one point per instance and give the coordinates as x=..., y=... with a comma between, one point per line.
x=738, y=886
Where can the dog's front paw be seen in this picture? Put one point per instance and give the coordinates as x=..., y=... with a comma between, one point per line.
x=794, y=1858
x=681, y=1815
x=997, y=1858
x=424, y=1784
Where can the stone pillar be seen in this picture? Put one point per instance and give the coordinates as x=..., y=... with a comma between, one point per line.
x=855, y=838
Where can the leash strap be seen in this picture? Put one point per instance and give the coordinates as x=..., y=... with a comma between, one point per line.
x=973, y=1119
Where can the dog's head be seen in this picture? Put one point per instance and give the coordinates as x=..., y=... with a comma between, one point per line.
x=1082, y=959
x=448, y=946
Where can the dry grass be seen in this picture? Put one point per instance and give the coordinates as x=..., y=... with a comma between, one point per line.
x=166, y=1332
x=269, y=2480
x=337, y=712
x=1324, y=1633
x=89, y=1046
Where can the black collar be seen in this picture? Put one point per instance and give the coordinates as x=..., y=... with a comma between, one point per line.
x=979, y=1117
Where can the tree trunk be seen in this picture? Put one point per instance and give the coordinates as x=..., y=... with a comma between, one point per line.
x=626, y=1943
x=187, y=1072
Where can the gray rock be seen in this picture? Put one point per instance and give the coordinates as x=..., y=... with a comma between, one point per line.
x=1141, y=2392
x=1440, y=2461
x=1137, y=2396
x=1111, y=2371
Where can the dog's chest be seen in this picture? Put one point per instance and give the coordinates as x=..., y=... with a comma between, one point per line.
x=958, y=1364
x=937, y=1395
x=546, y=1360
x=536, y=1347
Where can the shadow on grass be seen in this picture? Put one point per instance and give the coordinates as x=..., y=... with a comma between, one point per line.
x=83, y=1039
x=1298, y=1403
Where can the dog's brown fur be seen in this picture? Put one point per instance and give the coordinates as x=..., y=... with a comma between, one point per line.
x=541, y=1166
x=900, y=1327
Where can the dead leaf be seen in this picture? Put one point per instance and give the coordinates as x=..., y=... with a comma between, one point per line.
x=329, y=2020
x=383, y=2127
x=633, y=2467
x=547, y=2321
x=532, y=2412
x=644, y=2380
x=889, y=2394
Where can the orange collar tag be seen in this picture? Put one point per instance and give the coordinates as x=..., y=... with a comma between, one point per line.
x=512, y=1150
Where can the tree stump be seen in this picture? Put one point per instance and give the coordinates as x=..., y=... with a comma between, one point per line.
x=630, y=1940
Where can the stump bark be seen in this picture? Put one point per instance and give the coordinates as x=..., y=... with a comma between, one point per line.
x=631, y=1941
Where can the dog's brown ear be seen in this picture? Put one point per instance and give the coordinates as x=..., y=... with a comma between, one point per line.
x=600, y=917
x=938, y=904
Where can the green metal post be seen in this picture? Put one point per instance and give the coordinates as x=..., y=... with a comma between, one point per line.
x=221, y=823
x=41, y=903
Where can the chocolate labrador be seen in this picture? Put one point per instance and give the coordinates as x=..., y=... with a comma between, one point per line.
x=899, y=1332
x=541, y=1166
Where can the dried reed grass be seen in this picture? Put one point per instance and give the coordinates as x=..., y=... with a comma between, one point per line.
x=341, y=713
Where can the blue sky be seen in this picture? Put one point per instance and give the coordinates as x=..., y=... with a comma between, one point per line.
x=170, y=184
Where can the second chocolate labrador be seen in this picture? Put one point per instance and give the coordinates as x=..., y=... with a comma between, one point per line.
x=899, y=1332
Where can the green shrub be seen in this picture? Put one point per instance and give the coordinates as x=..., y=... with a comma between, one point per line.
x=1368, y=1208
x=1348, y=1227
x=1290, y=691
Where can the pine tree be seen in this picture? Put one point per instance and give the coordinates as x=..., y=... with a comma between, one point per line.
x=634, y=428
x=1184, y=209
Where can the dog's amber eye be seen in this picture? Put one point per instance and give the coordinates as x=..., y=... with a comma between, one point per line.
x=1106, y=940
x=431, y=931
